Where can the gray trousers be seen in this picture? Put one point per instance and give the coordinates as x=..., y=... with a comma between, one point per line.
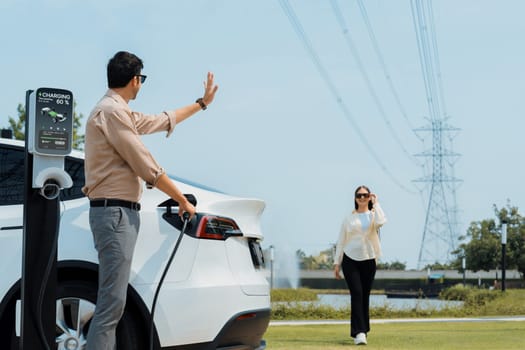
x=115, y=231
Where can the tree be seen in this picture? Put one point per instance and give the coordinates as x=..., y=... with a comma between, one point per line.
x=323, y=261
x=438, y=266
x=398, y=265
x=482, y=251
x=515, y=236
x=18, y=126
x=394, y=265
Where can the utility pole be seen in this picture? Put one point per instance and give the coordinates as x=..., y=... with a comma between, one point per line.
x=503, y=252
x=272, y=258
x=464, y=267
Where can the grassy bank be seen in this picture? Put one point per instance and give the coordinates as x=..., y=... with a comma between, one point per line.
x=402, y=336
x=300, y=304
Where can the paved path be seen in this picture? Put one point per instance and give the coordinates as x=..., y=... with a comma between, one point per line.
x=401, y=320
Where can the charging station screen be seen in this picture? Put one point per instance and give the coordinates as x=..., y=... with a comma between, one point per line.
x=53, y=140
x=54, y=121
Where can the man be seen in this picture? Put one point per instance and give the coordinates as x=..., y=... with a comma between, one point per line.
x=116, y=162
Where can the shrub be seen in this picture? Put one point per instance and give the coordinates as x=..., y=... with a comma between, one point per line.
x=307, y=311
x=457, y=292
x=299, y=294
x=472, y=297
x=290, y=304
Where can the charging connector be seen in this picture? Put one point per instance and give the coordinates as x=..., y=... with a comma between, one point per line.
x=185, y=219
x=50, y=190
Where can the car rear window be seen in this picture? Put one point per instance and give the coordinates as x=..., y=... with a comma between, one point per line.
x=12, y=175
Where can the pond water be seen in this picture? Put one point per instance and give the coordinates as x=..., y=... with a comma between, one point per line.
x=339, y=301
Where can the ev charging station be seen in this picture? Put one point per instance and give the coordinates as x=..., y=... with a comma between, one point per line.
x=49, y=135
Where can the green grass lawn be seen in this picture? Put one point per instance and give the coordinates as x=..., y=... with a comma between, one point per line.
x=406, y=336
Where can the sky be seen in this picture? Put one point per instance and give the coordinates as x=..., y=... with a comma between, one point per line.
x=298, y=126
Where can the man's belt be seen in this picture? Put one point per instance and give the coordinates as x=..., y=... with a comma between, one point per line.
x=114, y=203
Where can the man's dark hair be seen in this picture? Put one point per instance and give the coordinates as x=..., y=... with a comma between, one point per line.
x=122, y=68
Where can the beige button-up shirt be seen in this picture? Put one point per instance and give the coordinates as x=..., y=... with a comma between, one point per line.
x=115, y=158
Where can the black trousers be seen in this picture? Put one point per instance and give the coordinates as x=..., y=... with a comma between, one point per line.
x=359, y=276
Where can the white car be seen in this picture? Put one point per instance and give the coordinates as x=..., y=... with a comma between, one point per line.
x=214, y=296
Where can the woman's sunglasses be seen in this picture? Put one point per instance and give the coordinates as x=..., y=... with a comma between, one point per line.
x=362, y=195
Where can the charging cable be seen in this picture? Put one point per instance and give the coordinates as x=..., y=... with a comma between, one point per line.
x=45, y=278
x=185, y=218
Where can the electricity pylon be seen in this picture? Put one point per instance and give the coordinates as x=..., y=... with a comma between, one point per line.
x=440, y=233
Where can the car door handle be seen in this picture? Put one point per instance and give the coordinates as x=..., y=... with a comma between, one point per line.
x=11, y=228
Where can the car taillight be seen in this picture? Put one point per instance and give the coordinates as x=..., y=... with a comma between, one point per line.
x=216, y=227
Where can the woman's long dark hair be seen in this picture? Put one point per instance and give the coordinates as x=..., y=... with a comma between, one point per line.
x=370, y=204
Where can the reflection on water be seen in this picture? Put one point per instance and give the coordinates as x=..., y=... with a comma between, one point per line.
x=339, y=301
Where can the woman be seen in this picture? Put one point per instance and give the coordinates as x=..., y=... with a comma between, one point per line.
x=356, y=252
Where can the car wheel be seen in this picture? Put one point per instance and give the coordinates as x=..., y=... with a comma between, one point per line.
x=75, y=307
x=7, y=327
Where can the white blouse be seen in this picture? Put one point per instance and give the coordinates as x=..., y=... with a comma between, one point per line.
x=359, y=238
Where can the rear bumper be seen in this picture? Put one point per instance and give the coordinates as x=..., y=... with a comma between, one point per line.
x=243, y=331
x=246, y=328
x=262, y=346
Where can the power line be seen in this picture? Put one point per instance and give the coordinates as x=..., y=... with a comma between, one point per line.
x=364, y=74
x=426, y=57
x=296, y=24
x=380, y=56
x=435, y=51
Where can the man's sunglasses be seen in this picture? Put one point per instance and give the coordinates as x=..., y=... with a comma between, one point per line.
x=362, y=195
x=142, y=78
